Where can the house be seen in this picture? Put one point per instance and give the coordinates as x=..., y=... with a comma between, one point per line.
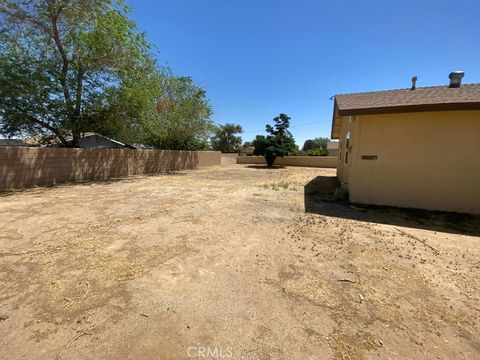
x=332, y=147
x=414, y=148
x=246, y=151
x=94, y=140
x=13, y=142
x=87, y=140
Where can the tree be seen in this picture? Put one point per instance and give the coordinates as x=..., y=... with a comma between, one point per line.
x=225, y=139
x=183, y=120
x=70, y=66
x=279, y=143
x=317, y=143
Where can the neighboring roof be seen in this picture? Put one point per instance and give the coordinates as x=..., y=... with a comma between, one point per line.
x=247, y=149
x=96, y=137
x=12, y=142
x=332, y=145
x=434, y=98
x=93, y=139
x=139, y=146
x=88, y=139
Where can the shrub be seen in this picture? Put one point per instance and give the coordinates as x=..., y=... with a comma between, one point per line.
x=317, y=152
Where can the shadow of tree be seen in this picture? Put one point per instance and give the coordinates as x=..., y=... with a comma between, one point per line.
x=265, y=167
x=318, y=199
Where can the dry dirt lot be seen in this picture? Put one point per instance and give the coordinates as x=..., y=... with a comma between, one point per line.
x=225, y=263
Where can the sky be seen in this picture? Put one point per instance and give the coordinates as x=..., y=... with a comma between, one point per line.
x=259, y=58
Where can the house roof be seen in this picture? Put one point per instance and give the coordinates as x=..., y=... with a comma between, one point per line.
x=332, y=145
x=433, y=98
x=85, y=137
x=12, y=142
x=88, y=135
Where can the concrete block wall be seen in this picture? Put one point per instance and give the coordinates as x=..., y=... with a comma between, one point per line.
x=22, y=167
x=229, y=159
x=307, y=161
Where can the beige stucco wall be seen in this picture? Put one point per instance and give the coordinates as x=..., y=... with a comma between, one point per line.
x=428, y=160
x=307, y=161
x=22, y=167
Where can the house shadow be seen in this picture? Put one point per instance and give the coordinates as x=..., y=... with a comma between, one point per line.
x=319, y=199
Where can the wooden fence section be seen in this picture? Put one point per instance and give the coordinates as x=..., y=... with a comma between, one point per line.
x=22, y=167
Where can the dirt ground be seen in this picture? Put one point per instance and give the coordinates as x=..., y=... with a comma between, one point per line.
x=226, y=263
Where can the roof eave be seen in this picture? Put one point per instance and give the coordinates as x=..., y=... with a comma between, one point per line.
x=334, y=133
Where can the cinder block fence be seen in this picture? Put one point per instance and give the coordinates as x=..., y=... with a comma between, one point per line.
x=307, y=161
x=22, y=167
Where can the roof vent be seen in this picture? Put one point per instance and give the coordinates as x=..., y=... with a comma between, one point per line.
x=456, y=79
x=414, y=83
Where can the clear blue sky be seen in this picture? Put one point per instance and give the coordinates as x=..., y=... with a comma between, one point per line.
x=258, y=58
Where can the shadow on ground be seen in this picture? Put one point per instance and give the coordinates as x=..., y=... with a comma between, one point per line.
x=319, y=199
x=265, y=167
x=131, y=178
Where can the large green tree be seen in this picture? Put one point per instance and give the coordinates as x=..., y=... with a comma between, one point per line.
x=69, y=66
x=279, y=143
x=225, y=138
x=72, y=66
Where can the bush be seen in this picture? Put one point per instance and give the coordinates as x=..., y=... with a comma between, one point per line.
x=317, y=152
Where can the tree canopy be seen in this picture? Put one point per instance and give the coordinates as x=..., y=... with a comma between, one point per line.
x=316, y=143
x=279, y=143
x=73, y=66
x=183, y=120
x=225, y=138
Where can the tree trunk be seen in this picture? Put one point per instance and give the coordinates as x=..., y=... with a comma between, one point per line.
x=75, y=137
x=60, y=137
x=79, y=90
x=270, y=159
x=54, y=130
x=54, y=14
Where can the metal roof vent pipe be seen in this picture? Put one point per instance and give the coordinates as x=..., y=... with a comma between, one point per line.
x=456, y=79
x=414, y=83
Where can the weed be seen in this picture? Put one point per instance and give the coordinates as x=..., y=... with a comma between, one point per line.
x=276, y=186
